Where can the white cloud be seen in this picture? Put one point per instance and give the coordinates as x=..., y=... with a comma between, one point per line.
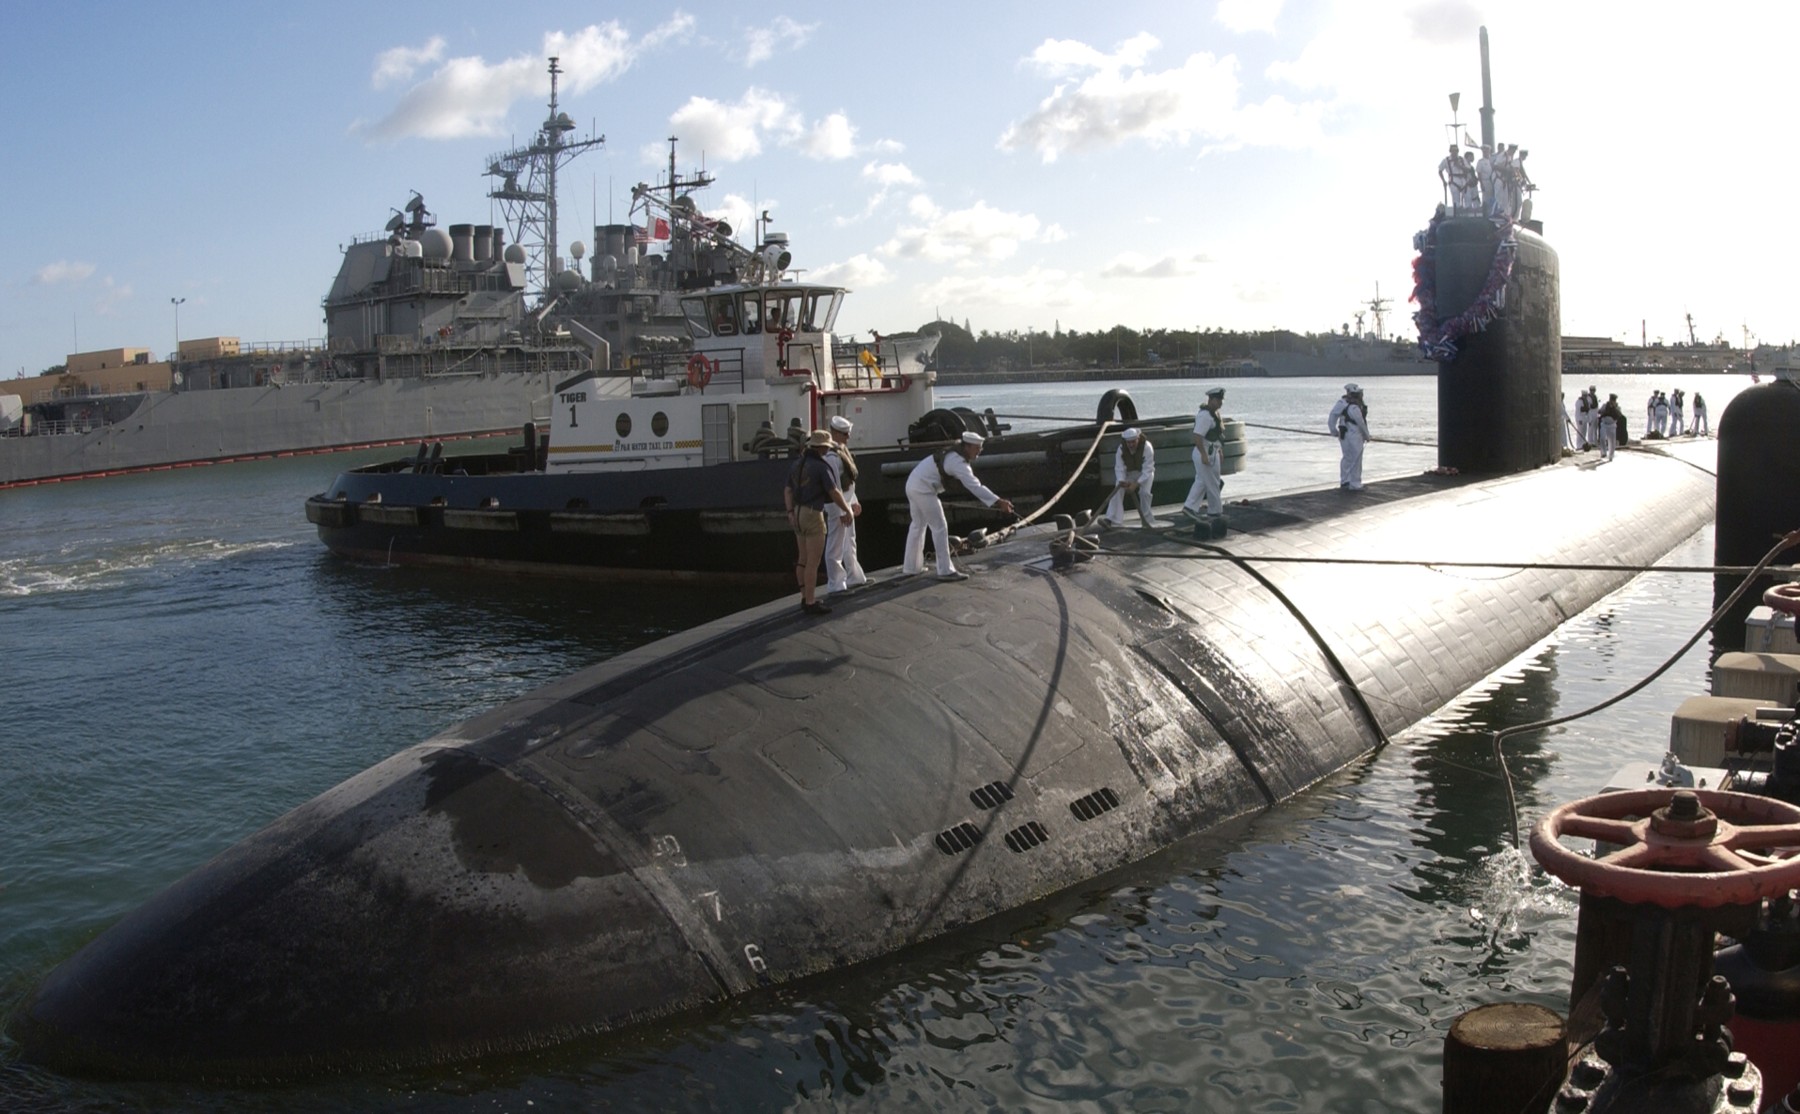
x=734, y=132
x=1118, y=101
x=887, y=175
x=1037, y=289
x=966, y=235
x=472, y=96
x=401, y=62
x=761, y=43
x=1248, y=15
x=859, y=272
x=1134, y=265
x=831, y=139
x=63, y=270
x=111, y=295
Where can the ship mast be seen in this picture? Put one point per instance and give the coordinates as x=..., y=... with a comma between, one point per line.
x=1378, y=306
x=527, y=189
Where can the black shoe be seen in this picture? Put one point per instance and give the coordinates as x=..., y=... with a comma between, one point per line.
x=815, y=609
x=956, y=575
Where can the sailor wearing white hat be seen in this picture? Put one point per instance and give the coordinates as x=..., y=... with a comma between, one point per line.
x=1134, y=471
x=922, y=488
x=842, y=569
x=1209, y=456
x=1349, y=422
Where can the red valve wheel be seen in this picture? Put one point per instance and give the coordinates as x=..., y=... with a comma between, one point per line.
x=1784, y=598
x=1734, y=849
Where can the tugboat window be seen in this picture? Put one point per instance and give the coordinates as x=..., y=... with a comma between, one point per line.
x=659, y=423
x=724, y=316
x=752, y=313
x=623, y=425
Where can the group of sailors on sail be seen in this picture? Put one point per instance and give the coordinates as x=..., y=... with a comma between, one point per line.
x=1495, y=185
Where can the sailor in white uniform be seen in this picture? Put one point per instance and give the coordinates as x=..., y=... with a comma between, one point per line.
x=923, y=486
x=842, y=569
x=1350, y=425
x=1134, y=471
x=1701, y=427
x=1209, y=457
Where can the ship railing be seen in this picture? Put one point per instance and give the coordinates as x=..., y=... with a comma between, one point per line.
x=727, y=369
x=863, y=367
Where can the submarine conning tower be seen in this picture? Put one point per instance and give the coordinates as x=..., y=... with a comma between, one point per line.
x=1499, y=404
x=1489, y=289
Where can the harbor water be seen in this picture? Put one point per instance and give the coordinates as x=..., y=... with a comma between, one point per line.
x=184, y=663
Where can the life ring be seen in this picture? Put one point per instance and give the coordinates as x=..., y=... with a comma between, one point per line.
x=1784, y=598
x=699, y=371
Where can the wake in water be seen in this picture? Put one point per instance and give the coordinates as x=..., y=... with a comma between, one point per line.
x=45, y=574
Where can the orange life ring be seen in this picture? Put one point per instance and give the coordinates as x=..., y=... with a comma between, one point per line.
x=699, y=371
x=1784, y=598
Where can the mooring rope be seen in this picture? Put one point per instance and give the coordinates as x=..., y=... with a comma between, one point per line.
x=1542, y=566
x=1323, y=433
x=1787, y=542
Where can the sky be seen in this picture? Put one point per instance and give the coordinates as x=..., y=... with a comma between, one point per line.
x=1239, y=164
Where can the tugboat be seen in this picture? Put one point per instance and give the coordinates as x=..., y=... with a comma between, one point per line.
x=668, y=461
x=673, y=465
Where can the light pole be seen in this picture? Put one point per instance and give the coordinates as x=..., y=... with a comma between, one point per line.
x=1030, y=353
x=176, y=302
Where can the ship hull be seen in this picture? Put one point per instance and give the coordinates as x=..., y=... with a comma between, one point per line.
x=772, y=796
x=1287, y=365
x=187, y=428
x=722, y=523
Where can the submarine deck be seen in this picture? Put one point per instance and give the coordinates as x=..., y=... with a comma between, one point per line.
x=773, y=795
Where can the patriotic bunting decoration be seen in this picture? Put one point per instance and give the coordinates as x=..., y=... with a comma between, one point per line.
x=1438, y=338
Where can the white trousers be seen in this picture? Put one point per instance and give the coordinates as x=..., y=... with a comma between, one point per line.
x=842, y=569
x=1115, y=507
x=1350, y=463
x=927, y=514
x=1609, y=438
x=1207, y=486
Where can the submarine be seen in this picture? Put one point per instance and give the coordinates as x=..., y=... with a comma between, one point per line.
x=770, y=796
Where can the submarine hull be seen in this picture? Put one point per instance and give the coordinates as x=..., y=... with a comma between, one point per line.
x=769, y=796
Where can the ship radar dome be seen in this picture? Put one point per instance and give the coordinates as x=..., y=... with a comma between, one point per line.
x=578, y=249
x=514, y=253
x=435, y=243
x=411, y=249
x=568, y=280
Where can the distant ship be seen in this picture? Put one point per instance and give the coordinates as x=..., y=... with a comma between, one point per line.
x=432, y=333
x=1349, y=355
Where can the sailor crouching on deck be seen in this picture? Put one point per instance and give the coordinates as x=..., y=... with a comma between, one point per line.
x=1209, y=454
x=1134, y=471
x=923, y=486
x=810, y=486
x=842, y=569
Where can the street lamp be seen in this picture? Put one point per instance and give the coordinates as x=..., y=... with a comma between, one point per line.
x=176, y=302
x=1030, y=354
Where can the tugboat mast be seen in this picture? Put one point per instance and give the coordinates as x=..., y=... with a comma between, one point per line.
x=530, y=204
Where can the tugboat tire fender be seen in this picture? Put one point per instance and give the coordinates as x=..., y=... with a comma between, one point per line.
x=1120, y=400
x=1784, y=598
